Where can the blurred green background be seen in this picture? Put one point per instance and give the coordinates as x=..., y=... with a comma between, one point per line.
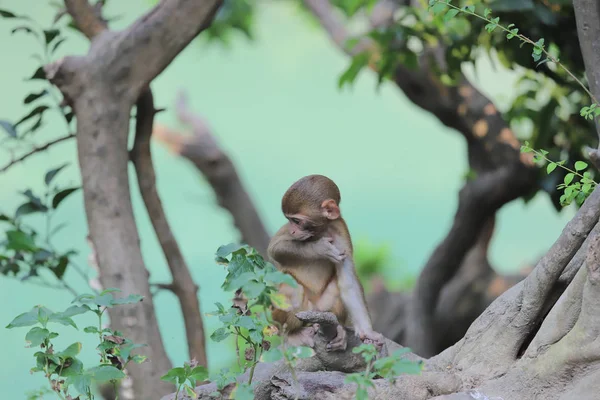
x=275, y=107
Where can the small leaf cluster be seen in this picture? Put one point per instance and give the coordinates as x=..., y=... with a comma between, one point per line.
x=64, y=371
x=577, y=184
x=248, y=271
x=388, y=368
x=24, y=253
x=186, y=378
x=255, y=283
x=47, y=99
x=590, y=112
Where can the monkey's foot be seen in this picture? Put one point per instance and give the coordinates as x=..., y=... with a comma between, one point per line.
x=304, y=337
x=340, y=341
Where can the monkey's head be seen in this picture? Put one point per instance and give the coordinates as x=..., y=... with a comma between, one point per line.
x=309, y=204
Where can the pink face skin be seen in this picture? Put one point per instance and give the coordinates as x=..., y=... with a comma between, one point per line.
x=299, y=227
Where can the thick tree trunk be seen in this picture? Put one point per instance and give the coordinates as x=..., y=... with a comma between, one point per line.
x=102, y=87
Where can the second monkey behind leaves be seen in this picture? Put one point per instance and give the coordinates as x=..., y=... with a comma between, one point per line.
x=316, y=249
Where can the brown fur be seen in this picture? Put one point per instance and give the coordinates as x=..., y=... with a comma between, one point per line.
x=304, y=259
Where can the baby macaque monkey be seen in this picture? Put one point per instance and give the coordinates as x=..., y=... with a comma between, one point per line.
x=316, y=249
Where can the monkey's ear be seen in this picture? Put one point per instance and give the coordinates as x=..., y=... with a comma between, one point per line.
x=330, y=209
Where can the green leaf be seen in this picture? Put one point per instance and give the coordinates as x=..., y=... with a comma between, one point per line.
x=487, y=12
x=199, y=373
x=272, y=355
x=253, y=289
x=50, y=35
x=239, y=281
x=70, y=351
x=109, y=290
x=105, y=373
x=60, y=268
x=38, y=74
x=84, y=298
x=25, y=319
x=74, y=310
x=220, y=335
x=174, y=375
x=131, y=299
x=36, y=336
x=29, y=208
x=81, y=382
x=19, y=240
x=438, y=8
x=224, y=251
x=551, y=167
x=60, y=196
x=7, y=14
x=34, y=96
x=138, y=358
x=128, y=348
x=52, y=173
x=57, y=44
x=279, y=301
x=91, y=329
x=9, y=128
x=580, y=165
x=37, y=111
x=247, y=322
x=569, y=178
x=190, y=392
x=60, y=319
x=358, y=63
x=450, y=14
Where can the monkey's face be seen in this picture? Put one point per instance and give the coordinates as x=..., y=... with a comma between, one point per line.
x=303, y=227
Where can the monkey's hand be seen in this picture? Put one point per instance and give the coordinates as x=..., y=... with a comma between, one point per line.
x=340, y=341
x=330, y=251
x=372, y=337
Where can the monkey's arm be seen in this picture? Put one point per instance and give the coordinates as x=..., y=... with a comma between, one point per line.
x=284, y=250
x=353, y=297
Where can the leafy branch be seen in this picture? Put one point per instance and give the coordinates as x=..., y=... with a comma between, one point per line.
x=438, y=6
x=578, y=190
x=63, y=369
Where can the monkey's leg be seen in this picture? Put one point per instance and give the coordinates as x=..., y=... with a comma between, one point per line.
x=304, y=336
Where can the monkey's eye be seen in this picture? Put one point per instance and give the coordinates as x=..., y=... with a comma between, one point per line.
x=295, y=221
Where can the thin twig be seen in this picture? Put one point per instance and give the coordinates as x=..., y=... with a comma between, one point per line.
x=36, y=150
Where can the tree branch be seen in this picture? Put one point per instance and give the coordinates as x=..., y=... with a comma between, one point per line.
x=183, y=285
x=36, y=150
x=157, y=37
x=205, y=153
x=86, y=17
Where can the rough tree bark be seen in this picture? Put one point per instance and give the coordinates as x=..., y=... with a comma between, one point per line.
x=102, y=87
x=587, y=16
x=502, y=175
